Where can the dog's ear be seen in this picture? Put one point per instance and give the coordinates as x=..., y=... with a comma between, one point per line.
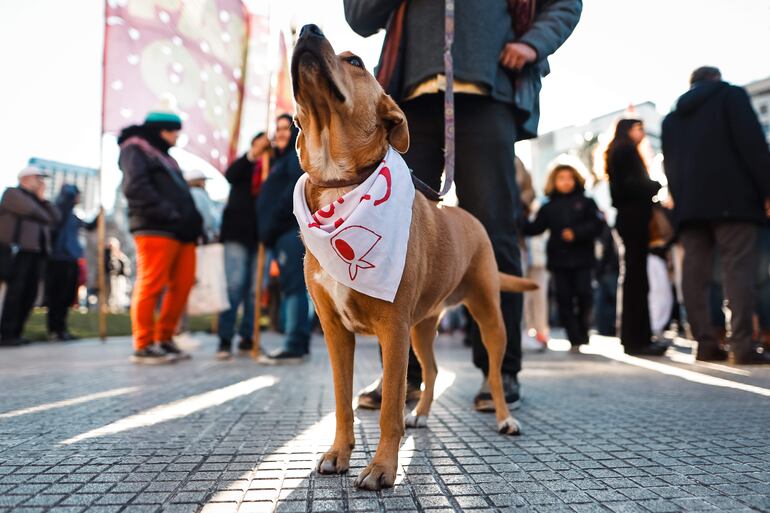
x=395, y=123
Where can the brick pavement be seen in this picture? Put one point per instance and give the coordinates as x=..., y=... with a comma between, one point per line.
x=598, y=435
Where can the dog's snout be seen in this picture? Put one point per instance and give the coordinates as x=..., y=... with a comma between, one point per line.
x=311, y=30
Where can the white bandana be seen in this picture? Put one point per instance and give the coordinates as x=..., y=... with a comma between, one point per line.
x=361, y=238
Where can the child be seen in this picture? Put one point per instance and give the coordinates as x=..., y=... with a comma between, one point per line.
x=574, y=222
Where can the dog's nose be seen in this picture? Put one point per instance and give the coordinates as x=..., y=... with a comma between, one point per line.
x=310, y=29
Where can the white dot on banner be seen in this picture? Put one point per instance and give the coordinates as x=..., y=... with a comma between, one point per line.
x=126, y=113
x=224, y=16
x=226, y=37
x=237, y=73
x=134, y=34
x=233, y=86
x=201, y=103
x=204, y=76
x=177, y=67
x=166, y=50
x=177, y=41
x=205, y=47
x=164, y=17
x=174, y=78
x=219, y=91
x=133, y=59
x=115, y=21
x=217, y=68
x=214, y=153
x=218, y=110
x=201, y=139
x=117, y=85
x=185, y=116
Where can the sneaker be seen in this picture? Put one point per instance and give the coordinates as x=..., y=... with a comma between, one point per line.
x=151, y=355
x=223, y=353
x=483, y=401
x=757, y=356
x=245, y=345
x=530, y=344
x=370, y=397
x=281, y=357
x=13, y=342
x=170, y=347
x=651, y=349
x=62, y=336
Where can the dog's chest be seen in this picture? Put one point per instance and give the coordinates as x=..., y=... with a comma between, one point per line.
x=341, y=301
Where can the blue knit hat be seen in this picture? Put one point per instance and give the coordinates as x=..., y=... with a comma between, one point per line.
x=163, y=120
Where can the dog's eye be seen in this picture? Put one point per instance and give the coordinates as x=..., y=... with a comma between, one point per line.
x=355, y=61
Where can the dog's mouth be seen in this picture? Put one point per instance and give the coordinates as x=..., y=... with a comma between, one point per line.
x=307, y=62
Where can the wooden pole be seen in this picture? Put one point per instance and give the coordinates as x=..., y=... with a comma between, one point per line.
x=101, y=226
x=256, y=348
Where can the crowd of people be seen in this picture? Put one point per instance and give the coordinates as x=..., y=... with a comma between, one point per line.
x=656, y=264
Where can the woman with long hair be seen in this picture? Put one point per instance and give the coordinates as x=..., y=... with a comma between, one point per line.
x=632, y=191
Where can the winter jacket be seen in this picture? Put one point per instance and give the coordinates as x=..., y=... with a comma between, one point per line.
x=159, y=199
x=574, y=211
x=482, y=29
x=716, y=157
x=239, y=219
x=275, y=201
x=26, y=221
x=66, y=240
x=630, y=185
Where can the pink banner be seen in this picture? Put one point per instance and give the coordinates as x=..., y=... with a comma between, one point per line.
x=187, y=56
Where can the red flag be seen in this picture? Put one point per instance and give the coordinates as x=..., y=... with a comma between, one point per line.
x=183, y=56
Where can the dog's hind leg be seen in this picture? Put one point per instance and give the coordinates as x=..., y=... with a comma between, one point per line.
x=341, y=345
x=483, y=302
x=423, y=336
x=381, y=472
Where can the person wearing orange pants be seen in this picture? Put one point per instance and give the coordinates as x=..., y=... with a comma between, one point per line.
x=164, y=264
x=166, y=225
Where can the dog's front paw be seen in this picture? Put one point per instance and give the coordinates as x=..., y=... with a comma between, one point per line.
x=509, y=426
x=376, y=476
x=334, y=462
x=416, y=421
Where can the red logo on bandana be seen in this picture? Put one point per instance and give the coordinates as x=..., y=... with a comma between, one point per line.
x=352, y=245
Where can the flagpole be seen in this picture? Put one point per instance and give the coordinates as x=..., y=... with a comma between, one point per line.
x=101, y=227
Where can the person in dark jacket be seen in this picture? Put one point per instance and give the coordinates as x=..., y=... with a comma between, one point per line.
x=718, y=167
x=26, y=220
x=239, y=235
x=166, y=225
x=574, y=223
x=62, y=268
x=279, y=231
x=632, y=191
x=499, y=60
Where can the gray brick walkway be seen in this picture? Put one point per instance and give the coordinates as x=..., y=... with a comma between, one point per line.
x=599, y=435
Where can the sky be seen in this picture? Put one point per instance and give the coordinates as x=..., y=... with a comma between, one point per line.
x=622, y=52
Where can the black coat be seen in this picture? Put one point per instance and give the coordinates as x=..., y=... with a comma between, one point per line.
x=630, y=185
x=159, y=199
x=276, y=196
x=574, y=211
x=239, y=219
x=716, y=157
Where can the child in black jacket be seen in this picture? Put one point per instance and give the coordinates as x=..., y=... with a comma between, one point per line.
x=574, y=222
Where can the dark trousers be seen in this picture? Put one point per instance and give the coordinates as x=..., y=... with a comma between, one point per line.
x=290, y=254
x=633, y=225
x=485, y=179
x=21, y=293
x=574, y=297
x=736, y=242
x=60, y=286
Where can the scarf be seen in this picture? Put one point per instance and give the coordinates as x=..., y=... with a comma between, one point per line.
x=361, y=238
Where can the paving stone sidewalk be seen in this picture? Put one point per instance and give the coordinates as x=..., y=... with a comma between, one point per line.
x=598, y=435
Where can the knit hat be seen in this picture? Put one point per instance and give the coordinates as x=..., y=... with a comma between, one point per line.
x=163, y=120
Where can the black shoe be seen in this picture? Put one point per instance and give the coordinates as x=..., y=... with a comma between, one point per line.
x=282, y=358
x=483, y=401
x=711, y=354
x=14, y=342
x=245, y=345
x=757, y=356
x=152, y=355
x=61, y=336
x=651, y=349
x=370, y=397
x=170, y=347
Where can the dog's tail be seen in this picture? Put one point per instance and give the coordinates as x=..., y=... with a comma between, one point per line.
x=511, y=283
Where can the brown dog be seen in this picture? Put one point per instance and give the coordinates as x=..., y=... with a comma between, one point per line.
x=347, y=123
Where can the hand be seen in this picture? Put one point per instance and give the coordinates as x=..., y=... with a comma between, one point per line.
x=668, y=203
x=568, y=235
x=767, y=207
x=516, y=55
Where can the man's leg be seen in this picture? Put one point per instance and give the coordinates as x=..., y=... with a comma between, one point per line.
x=737, y=243
x=56, y=283
x=486, y=187
x=235, y=274
x=248, y=291
x=154, y=256
x=698, y=248
x=181, y=280
x=585, y=301
x=290, y=253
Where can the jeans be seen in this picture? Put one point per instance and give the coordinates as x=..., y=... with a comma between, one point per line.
x=240, y=264
x=290, y=257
